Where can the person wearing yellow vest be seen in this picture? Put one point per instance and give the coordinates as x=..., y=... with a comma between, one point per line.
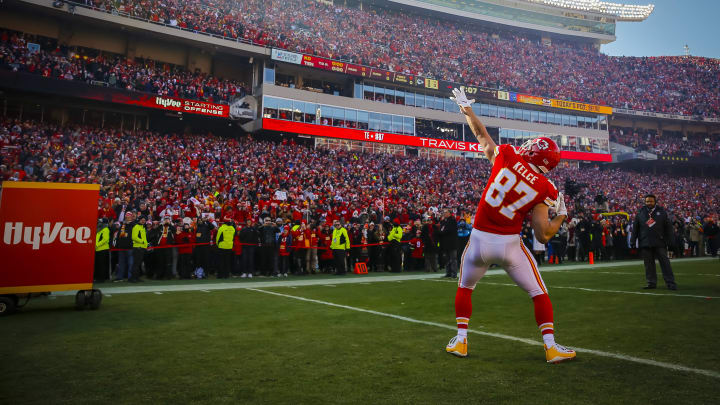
x=102, y=252
x=339, y=244
x=139, y=241
x=224, y=240
x=394, y=237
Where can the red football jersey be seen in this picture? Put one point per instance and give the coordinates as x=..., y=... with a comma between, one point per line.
x=512, y=191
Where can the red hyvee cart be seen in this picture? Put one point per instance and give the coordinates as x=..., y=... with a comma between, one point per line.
x=48, y=242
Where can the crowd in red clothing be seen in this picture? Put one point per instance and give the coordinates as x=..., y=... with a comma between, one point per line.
x=670, y=143
x=111, y=70
x=194, y=175
x=186, y=186
x=414, y=43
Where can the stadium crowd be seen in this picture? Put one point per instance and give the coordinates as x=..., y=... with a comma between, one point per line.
x=413, y=43
x=671, y=143
x=91, y=66
x=187, y=187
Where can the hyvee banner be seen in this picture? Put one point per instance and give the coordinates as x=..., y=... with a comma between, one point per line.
x=399, y=139
x=27, y=82
x=179, y=104
x=48, y=236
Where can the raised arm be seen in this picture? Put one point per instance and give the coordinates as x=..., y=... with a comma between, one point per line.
x=544, y=229
x=476, y=126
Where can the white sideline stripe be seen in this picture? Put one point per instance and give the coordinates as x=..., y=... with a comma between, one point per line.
x=609, y=291
x=670, y=366
x=256, y=284
x=243, y=283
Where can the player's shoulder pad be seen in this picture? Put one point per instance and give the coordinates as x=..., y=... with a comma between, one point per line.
x=504, y=148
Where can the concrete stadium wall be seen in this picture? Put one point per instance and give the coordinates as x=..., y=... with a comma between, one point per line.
x=91, y=37
x=229, y=66
x=30, y=23
x=165, y=52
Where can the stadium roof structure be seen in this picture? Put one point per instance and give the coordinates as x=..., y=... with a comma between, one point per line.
x=584, y=20
x=623, y=12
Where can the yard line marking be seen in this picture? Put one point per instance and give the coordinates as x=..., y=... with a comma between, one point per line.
x=601, y=272
x=241, y=284
x=639, y=272
x=207, y=291
x=670, y=366
x=610, y=291
x=158, y=293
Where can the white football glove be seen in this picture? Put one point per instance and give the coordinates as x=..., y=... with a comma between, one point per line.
x=460, y=98
x=560, y=205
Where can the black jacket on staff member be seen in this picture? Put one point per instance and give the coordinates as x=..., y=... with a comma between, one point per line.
x=653, y=233
x=449, y=243
x=652, y=236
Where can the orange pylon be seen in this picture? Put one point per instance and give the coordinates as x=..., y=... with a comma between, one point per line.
x=592, y=259
x=360, y=268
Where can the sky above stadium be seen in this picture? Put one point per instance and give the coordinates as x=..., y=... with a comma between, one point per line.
x=673, y=24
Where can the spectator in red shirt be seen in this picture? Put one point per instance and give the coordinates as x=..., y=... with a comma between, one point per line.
x=285, y=248
x=417, y=247
x=312, y=238
x=185, y=236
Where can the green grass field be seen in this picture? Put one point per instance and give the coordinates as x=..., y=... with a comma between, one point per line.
x=254, y=346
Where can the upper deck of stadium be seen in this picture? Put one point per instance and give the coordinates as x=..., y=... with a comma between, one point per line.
x=588, y=20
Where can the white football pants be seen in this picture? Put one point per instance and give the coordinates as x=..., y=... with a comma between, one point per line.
x=507, y=251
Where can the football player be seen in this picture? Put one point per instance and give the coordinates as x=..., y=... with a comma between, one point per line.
x=517, y=186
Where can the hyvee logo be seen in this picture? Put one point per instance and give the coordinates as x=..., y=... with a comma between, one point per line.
x=15, y=232
x=167, y=102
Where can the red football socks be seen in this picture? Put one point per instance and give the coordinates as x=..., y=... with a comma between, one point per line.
x=544, y=318
x=463, y=309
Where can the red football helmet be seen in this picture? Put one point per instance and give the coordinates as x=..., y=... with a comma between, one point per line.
x=542, y=154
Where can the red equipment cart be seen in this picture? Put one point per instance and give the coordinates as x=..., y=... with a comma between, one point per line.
x=48, y=241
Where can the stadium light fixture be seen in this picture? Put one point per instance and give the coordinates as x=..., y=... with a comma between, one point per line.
x=623, y=12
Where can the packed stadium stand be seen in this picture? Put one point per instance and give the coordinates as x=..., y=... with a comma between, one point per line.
x=306, y=110
x=106, y=69
x=171, y=169
x=412, y=42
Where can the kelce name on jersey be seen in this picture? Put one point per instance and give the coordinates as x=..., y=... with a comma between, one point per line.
x=524, y=172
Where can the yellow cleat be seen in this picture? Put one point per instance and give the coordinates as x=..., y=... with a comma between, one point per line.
x=557, y=354
x=457, y=346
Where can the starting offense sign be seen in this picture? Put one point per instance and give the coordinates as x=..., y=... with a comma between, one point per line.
x=47, y=236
